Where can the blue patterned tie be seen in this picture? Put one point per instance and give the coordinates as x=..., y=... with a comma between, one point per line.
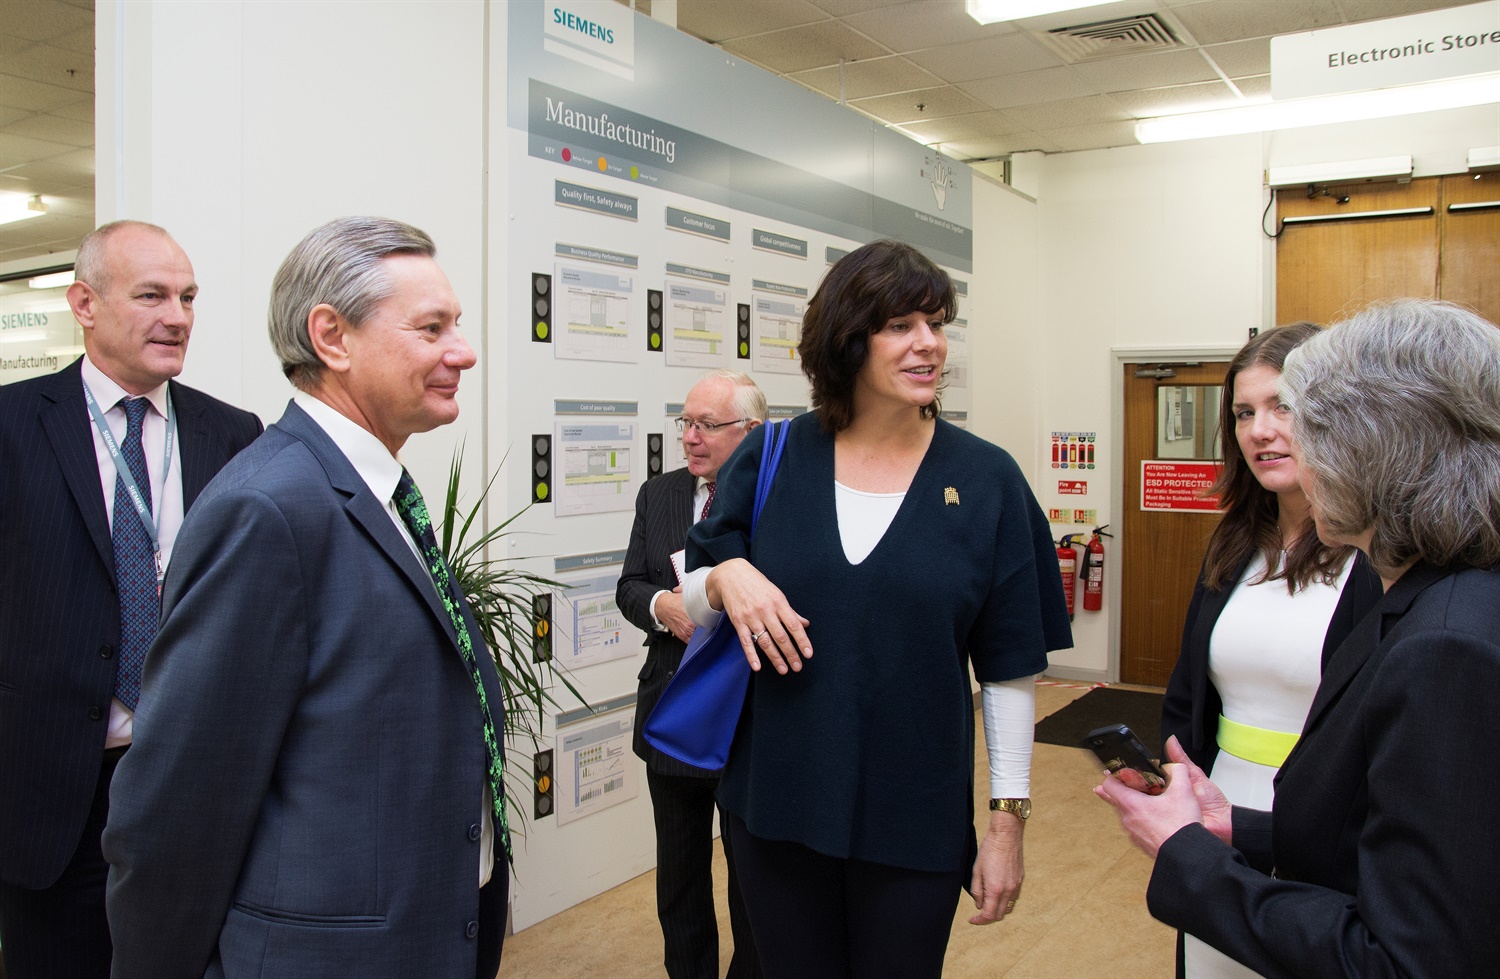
x=135, y=562
x=413, y=511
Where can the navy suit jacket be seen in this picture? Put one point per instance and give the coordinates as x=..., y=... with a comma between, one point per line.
x=304, y=794
x=663, y=517
x=1385, y=861
x=59, y=615
x=1192, y=705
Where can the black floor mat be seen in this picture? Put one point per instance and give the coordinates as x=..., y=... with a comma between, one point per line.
x=1101, y=706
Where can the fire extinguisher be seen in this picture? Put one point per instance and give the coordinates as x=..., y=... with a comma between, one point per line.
x=1093, y=586
x=1067, y=563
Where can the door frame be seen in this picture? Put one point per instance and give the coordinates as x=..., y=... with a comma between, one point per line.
x=1113, y=559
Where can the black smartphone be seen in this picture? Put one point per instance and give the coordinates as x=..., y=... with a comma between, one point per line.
x=1118, y=748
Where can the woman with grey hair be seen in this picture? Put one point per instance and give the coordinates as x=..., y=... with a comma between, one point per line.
x=1377, y=858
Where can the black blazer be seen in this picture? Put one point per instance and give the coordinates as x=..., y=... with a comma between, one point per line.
x=59, y=617
x=663, y=516
x=1385, y=857
x=1191, y=707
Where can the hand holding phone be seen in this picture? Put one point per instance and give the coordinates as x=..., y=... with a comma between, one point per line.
x=1118, y=747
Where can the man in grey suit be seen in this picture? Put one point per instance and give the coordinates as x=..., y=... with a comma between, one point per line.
x=315, y=787
x=719, y=410
x=78, y=577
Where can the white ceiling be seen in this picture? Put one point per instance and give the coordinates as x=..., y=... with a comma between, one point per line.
x=977, y=93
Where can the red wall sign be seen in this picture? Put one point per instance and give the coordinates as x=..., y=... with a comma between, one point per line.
x=1169, y=485
x=1073, y=487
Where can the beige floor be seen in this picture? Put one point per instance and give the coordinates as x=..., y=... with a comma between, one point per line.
x=1082, y=911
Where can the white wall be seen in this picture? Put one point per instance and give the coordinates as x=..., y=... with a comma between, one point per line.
x=1161, y=246
x=240, y=126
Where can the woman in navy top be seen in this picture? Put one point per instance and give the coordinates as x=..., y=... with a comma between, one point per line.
x=902, y=550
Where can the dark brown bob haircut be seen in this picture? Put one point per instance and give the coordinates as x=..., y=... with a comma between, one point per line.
x=1250, y=521
x=860, y=294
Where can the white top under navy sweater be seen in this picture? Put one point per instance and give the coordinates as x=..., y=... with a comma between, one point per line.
x=868, y=751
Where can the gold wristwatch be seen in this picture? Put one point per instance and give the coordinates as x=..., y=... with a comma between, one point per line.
x=1020, y=808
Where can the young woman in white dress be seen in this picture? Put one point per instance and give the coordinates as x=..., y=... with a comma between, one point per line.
x=1272, y=603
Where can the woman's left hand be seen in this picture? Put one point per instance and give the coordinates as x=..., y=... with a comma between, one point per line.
x=998, y=870
x=1150, y=819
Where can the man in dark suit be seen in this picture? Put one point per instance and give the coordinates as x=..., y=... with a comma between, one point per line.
x=719, y=410
x=316, y=787
x=78, y=578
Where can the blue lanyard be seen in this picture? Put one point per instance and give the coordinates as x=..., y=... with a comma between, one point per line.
x=122, y=469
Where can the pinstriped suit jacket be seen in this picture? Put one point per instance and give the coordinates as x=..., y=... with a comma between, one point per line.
x=59, y=617
x=663, y=516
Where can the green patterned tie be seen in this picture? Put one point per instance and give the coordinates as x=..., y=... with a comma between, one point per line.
x=413, y=511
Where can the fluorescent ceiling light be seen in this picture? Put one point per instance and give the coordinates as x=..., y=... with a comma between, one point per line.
x=1451, y=93
x=1328, y=173
x=1484, y=158
x=994, y=11
x=51, y=280
x=17, y=207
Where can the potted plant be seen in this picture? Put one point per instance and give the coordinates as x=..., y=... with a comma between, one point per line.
x=503, y=600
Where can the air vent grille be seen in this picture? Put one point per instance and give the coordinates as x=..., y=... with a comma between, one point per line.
x=1111, y=38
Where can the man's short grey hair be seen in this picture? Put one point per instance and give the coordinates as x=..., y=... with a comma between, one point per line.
x=339, y=264
x=749, y=399
x=1396, y=415
x=92, y=266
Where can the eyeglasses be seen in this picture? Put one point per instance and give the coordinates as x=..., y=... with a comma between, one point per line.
x=704, y=428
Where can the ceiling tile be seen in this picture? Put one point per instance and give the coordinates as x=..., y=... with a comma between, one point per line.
x=1147, y=71
x=1256, y=88
x=23, y=93
x=1216, y=21
x=1094, y=137
x=9, y=115
x=1241, y=58
x=1074, y=112
x=1028, y=87
x=970, y=126
x=81, y=110
x=53, y=128
x=936, y=103
x=838, y=8
x=64, y=169
x=10, y=46
x=55, y=66
x=721, y=21
x=1357, y=10
x=1178, y=99
x=993, y=56
x=42, y=21
x=16, y=150
x=913, y=26
x=79, y=41
x=984, y=149
x=799, y=48
x=863, y=79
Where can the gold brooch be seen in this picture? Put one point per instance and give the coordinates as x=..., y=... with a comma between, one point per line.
x=950, y=496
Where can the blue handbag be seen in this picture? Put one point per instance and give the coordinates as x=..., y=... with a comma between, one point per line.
x=695, y=719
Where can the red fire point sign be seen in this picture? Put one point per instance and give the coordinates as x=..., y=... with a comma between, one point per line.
x=1178, y=486
x=1073, y=487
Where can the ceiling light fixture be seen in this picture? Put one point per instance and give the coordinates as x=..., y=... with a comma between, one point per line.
x=17, y=207
x=51, y=280
x=995, y=11
x=1451, y=93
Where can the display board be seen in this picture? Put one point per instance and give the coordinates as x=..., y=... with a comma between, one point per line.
x=672, y=211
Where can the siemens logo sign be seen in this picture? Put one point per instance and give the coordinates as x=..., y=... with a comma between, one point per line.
x=17, y=321
x=575, y=23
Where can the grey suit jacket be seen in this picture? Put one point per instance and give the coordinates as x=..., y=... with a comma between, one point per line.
x=304, y=794
x=59, y=614
x=663, y=516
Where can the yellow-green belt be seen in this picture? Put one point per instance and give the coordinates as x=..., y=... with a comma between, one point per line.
x=1258, y=744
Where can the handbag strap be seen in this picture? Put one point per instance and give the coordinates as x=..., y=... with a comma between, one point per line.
x=770, y=459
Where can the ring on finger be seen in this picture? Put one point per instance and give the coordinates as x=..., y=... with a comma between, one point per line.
x=755, y=636
x=1010, y=905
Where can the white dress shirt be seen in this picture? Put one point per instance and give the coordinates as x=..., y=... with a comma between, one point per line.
x=166, y=494
x=381, y=471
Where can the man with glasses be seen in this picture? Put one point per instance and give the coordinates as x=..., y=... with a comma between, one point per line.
x=719, y=410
